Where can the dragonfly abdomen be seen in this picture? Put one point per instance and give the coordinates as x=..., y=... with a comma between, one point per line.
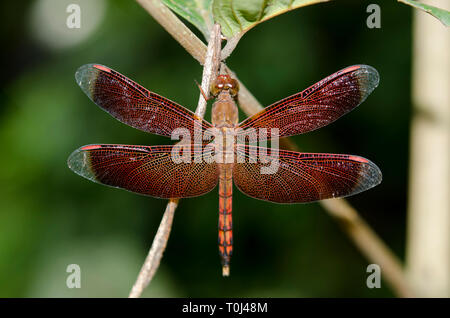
x=225, y=217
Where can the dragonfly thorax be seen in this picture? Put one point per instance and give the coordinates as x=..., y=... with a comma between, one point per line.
x=224, y=111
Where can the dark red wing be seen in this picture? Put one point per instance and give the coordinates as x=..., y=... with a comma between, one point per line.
x=134, y=105
x=302, y=177
x=145, y=170
x=318, y=105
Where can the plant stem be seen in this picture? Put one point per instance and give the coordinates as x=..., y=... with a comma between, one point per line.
x=428, y=238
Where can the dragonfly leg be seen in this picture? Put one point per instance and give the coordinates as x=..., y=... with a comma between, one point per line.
x=201, y=91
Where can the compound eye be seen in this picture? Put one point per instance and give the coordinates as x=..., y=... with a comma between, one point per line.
x=234, y=87
x=216, y=88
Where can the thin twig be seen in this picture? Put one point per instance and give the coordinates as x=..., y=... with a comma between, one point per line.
x=359, y=231
x=210, y=68
x=154, y=256
x=180, y=32
x=231, y=45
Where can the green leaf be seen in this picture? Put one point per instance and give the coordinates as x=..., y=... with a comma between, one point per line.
x=440, y=14
x=238, y=16
x=197, y=12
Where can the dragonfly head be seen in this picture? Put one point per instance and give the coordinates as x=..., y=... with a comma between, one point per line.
x=224, y=82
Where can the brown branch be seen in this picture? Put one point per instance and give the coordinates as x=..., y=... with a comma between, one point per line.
x=354, y=226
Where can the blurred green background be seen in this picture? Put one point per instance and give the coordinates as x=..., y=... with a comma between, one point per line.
x=50, y=217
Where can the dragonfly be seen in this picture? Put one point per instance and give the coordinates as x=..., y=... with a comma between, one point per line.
x=299, y=177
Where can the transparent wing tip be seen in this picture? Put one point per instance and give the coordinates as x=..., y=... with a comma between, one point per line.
x=86, y=77
x=368, y=80
x=370, y=176
x=79, y=163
